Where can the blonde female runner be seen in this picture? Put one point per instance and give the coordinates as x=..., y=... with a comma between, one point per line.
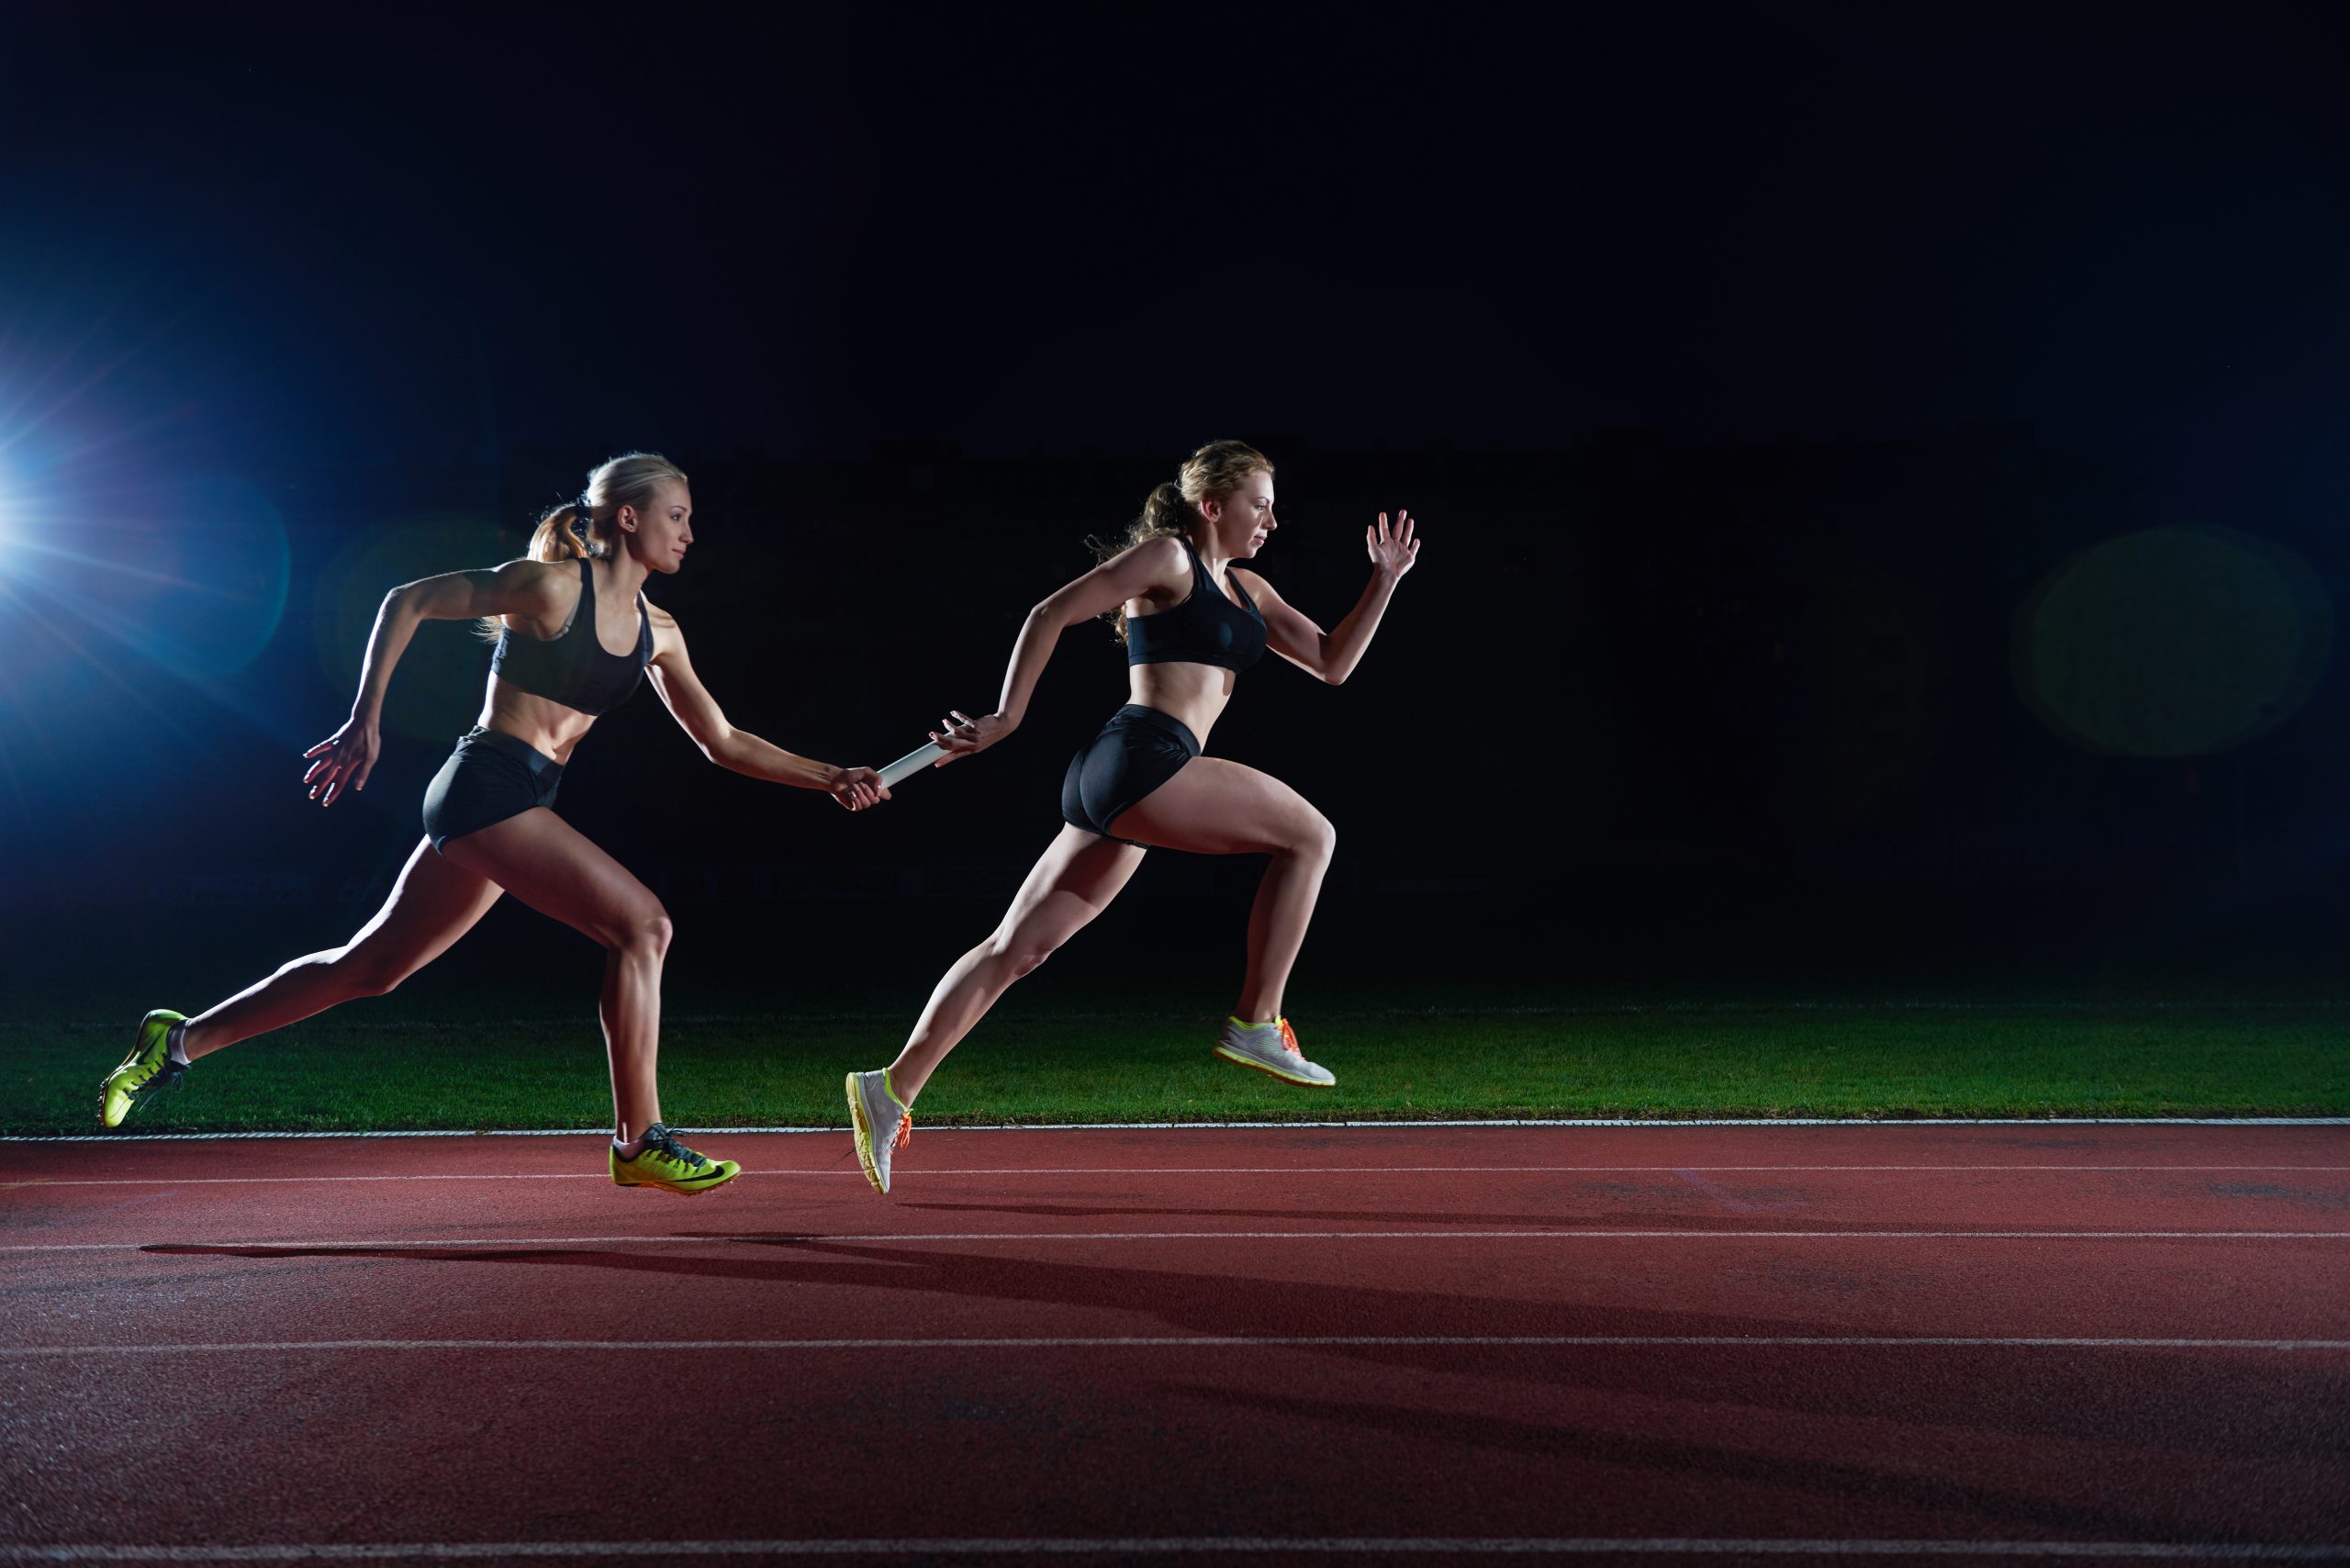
x=1192, y=620
x=576, y=635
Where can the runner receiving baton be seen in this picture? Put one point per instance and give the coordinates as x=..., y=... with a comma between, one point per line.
x=1191, y=620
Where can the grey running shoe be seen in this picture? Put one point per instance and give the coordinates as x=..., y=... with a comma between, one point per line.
x=148, y=1069
x=1271, y=1047
x=880, y=1121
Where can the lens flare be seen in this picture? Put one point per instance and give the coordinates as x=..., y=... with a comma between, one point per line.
x=2174, y=641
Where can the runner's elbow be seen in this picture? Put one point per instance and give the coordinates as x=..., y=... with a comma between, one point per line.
x=410, y=602
x=428, y=599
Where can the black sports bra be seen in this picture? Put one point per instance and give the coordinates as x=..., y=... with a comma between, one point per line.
x=571, y=667
x=1205, y=629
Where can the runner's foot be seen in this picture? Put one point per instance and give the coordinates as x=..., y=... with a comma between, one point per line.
x=148, y=1070
x=880, y=1121
x=666, y=1163
x=1271, y=1047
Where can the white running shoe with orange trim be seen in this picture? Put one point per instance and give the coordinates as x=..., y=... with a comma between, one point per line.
x=882, y=1122
x=1271, y=1047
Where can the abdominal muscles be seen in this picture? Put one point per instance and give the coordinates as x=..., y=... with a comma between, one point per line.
x=542, y=724
x=1194, y=693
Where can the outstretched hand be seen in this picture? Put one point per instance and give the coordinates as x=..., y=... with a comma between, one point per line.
x=857, y=787
x=963, y=735
x=344, y=760
x=1393, y=554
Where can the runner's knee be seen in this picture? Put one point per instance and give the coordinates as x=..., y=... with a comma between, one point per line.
x=372, y=974
x=645, y=936
x=1020, y=953
x=1316, y=837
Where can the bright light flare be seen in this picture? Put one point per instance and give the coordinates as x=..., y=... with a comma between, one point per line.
x=190, y=573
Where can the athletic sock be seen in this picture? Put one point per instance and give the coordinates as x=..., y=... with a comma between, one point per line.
x=627, y=1150
x=175, y=1042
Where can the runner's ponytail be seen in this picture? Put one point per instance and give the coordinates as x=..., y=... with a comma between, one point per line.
x=583, y=526
x=1212, y=472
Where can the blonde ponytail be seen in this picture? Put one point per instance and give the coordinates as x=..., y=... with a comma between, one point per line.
x=565, y=533
x=584, y=527
x=1212, y=472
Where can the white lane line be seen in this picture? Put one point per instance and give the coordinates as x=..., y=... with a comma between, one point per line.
x=1389, y=1124
x=1216, y=1342
x=919, y=1548
x=476, y=1179
x=951, y=1236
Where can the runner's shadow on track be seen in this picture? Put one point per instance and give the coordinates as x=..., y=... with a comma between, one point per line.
x=2077, y=1401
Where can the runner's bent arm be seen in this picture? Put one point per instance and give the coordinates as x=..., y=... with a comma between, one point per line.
x=1131, y=574
x=527, y=589
x=1332, y=655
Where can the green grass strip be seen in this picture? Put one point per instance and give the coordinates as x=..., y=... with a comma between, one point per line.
x=374, y=1067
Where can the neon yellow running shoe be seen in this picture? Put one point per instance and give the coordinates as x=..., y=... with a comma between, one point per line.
x=148, y=1068
x=666, y=1163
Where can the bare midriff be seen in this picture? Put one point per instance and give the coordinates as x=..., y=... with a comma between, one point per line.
x=1194, y=693
x=544, y=725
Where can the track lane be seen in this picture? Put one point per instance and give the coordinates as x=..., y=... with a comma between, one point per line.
x=1381, y=1145
x=2282, y=1179
x=1455, y=1441
x=772, y=1288
x=1643, y=1440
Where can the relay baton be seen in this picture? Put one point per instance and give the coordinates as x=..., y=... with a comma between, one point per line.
x=914, y=762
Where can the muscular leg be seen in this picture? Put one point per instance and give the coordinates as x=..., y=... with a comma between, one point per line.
x=551, y=865
x=431, y=905
x=1215, y=807
x=1076, y=879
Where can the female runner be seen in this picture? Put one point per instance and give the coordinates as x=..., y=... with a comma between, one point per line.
x=1192, y=620
x=488, y=823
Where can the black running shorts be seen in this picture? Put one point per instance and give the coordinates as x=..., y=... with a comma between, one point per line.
x=490, y=777
x=1139, y=749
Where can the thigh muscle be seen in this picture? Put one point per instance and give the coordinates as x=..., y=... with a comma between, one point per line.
x=1216, y=807
x=557, y=870
x=1073, y=881
x=432, y=905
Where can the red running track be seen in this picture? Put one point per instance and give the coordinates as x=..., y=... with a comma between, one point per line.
x=1271, y=1344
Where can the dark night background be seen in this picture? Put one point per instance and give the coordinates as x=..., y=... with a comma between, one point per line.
x=1881, y=467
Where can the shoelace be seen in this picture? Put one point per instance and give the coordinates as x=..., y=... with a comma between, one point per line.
x=657, y=1136
x=142, y=1079
x=1289, y=1041
x=905, y=1130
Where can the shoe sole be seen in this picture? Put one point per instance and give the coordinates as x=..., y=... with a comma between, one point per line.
x=861, y=1129
x=681, y=1191
x=1234, y=1057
